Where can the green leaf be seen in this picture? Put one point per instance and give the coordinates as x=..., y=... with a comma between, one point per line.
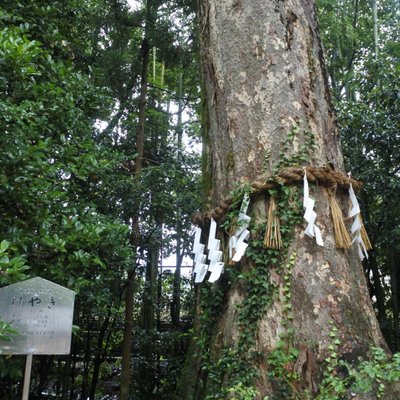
x=4, y=245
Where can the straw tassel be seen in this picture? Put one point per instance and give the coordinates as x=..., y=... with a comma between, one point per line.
x=364, y=235
x=342, y=237
x=272, y=239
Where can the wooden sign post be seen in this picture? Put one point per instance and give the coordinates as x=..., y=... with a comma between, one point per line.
x=41, y=312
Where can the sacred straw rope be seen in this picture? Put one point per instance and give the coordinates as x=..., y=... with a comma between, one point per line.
x=322, y=176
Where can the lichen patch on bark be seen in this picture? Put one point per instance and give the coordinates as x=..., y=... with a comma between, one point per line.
x=270, y=328
x=323, y=271
x=251, y=156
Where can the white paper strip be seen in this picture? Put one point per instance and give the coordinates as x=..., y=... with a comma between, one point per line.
x=240, y=249
x=244, y=235
x=356, y=225
x=318, y=236
x=213, y=246
x=242, y=224
x=199, y=248
x=200, y=258
x=237, y=246
x=306, y=190
x=211, y=235
x=197, y=268
x=197, y=236
x=355, y=206
x=216, y=256
x=200, y=266
x=310, y=215
x=216, y=272
x=245, y=204
x=214, y=253
x=201, y=274
x=310, y=230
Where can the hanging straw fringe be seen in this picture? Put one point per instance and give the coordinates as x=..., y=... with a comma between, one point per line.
x=342, y=237
x=364, y=235
x=272, y=239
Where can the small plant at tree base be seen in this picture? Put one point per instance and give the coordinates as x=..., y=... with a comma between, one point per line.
x=364, y=377
x=241, y=392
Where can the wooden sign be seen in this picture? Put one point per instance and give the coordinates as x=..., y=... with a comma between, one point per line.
x=41, y=312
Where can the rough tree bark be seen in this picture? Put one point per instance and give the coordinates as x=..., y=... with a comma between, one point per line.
x=264, y=76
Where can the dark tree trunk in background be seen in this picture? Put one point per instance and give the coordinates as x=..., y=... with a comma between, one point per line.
x=148, y=343
x=176, y=295
x=86, y=362
x=99, y=354
x=126, y=371
x=264, y=77
x=394, y=258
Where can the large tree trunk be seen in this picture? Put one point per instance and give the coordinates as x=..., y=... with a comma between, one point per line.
x=289, y=310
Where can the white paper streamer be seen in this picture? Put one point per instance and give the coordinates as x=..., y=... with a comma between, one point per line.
x=310, y=215
x=243, y=223
x=240, y=249
x=245, y=204
x=200, y=266
x=201, y=274
x=306, y=197
x=236, y=242
x=200, y=258
x=214, y=253
x=216, y=256
x=356, y=226
x=216, y=272
x=211, y=235
x=196, y=241
x=355, y=209
x=213, y=246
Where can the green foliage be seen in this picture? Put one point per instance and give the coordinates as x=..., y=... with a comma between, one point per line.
x=12, y=268
x=241, y=392
x=237, y=195
x=373, y=375
x=289, y=214
x=282, y=358
x=6, y=331
x=290, y=158
x=332, y=385
x=365, y=87
x=363, y=377
x=55, y=176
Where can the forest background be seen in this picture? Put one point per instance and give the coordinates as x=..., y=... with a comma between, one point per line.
x=100, y=172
